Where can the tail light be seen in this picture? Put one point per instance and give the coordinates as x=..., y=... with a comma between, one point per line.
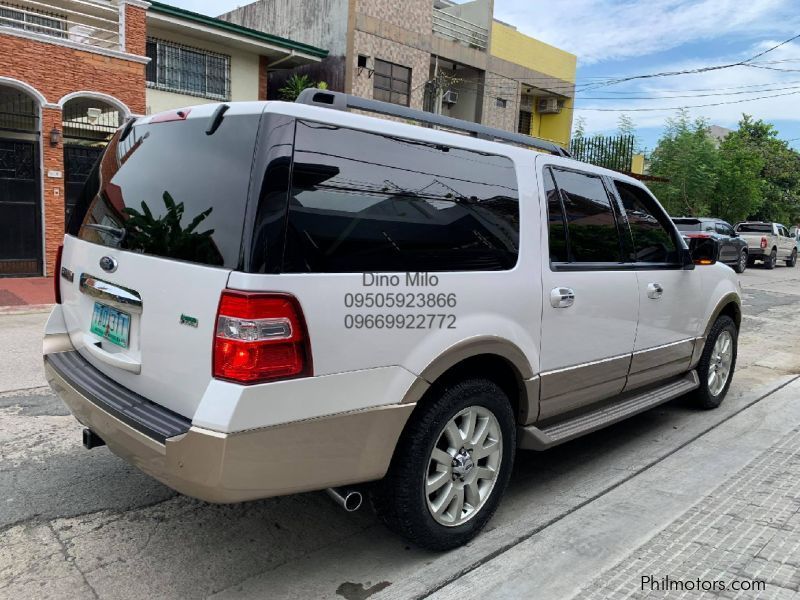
x=698, y=236
x=57, y=275
x=763, y=242
x=260, y=337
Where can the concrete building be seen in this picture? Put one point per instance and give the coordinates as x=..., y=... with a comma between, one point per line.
x=435, y=55
x=71, y=71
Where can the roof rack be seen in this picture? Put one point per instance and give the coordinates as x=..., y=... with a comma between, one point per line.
x=340, y=101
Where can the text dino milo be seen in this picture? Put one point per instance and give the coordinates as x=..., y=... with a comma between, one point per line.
x=395, y=306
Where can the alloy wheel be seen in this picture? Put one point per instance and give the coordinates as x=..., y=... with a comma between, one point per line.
x=463, y=466
x=719, y=367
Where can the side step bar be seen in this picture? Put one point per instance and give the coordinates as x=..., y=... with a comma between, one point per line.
x=534, y=438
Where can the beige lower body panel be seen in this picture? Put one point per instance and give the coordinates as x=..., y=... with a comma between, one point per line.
x=656, y=364
x=232, y=467
x=568, y=389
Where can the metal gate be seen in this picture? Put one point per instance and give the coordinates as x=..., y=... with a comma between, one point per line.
x=20, y=209
x=78, y=162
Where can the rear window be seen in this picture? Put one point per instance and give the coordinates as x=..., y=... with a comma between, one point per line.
x=688, y=224
x=170, y=190
x=365, y=201
x=754, y=228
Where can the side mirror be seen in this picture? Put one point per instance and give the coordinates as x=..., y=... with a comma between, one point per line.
x=704, y=251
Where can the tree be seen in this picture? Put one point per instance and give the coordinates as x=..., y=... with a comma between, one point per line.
x=738, y=193
x=579, y=132
x=686, y=156
x=779, y=173
x=296, y=84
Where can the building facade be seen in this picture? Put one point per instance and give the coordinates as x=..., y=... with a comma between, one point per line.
x=72, y=71
x=434, y=55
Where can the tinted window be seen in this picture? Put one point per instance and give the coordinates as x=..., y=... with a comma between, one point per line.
x=391, y=83
x=652, y=240
x=754, y=228
x=591, y=226
x=724, y=229
x=555, y=218
x=370, y=202
x=171, y=190
x=688, y=224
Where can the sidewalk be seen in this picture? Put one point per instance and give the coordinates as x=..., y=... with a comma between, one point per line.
x=722, y=510
x=26, y=291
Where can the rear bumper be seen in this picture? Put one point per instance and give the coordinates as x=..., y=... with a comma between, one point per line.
x=284, y=459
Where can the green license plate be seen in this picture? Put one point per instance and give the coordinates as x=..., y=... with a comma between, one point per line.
x=111, y=324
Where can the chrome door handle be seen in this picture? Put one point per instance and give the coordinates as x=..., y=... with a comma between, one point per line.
x=562, y=297
x=654, y=291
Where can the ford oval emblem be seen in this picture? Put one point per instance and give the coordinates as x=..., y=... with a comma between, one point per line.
x=108, y=264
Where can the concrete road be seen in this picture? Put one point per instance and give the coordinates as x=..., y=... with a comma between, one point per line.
x=85, y=524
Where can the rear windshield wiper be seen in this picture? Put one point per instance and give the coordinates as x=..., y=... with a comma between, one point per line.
x=117, y=232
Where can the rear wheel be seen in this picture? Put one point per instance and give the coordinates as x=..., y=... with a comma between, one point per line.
x=717, y=363
x=742, y=264
x=792, y=259
x=451, y=466
x=771, y=260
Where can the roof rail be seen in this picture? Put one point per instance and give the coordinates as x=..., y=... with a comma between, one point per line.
x=340, y=101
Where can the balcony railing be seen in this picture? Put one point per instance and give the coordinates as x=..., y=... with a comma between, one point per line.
x=86, y=22
x=460, y=29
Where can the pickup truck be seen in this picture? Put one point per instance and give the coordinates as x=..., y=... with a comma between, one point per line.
x=768, y=242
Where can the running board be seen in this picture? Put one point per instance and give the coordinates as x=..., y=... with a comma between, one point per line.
x=534, y=438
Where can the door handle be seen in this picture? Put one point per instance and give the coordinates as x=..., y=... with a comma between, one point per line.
x=654, y=291
x=562, y=297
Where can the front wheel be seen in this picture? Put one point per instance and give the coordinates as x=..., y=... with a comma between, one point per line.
x=742, y=264
x=792, y=259
x=451, y=466
x=717, y=363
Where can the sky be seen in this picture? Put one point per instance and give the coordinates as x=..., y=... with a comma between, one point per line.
x=623, y=38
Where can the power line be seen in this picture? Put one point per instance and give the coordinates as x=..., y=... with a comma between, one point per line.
x=680, y=107
x=757, y=91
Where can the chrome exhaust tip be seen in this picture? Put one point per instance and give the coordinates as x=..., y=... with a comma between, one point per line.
x=348, y=499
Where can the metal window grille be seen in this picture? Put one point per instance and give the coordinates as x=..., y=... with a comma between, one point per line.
x=18, y=113
x=88, y=120
x=36, y=21
x=391, y=83
x=186, y=70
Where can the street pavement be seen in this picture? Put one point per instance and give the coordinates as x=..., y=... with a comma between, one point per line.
x=674, y=492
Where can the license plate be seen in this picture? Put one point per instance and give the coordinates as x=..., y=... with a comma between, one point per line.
x=111, y=324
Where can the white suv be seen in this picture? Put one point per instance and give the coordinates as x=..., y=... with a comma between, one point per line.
x=259, y=299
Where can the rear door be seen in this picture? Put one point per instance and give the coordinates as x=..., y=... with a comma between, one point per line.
x=152, y=241
x=729, y=250
x=787, y=244
x=590, y=302
x=669, y=297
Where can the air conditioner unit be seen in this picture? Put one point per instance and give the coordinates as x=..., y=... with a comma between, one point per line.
x=547, y=106
x=450, y=97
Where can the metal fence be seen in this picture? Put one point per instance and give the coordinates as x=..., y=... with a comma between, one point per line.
x=460, y=29
x=79, y=21
x=611, y=152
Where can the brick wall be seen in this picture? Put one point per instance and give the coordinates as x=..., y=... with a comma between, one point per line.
x=497, y=116
x=263, y=77
x=55, y=71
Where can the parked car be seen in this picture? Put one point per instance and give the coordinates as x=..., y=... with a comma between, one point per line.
x=731, y=248
x=258, y=299
x=769, y=243
x=795, y=233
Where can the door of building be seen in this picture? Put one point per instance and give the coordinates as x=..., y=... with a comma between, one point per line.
x=78, y=162
x=20, y=209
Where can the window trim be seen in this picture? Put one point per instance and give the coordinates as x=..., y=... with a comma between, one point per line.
x=392, y=79
x=571, y=265
x=677, y=238
x=165, y=87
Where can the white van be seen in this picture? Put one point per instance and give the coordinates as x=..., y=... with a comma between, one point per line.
x=268, y=298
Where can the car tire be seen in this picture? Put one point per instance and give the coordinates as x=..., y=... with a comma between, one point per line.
x=792, y=259
x=403, y=499
x=741, y=266
x=718, y=361
x=771, y=260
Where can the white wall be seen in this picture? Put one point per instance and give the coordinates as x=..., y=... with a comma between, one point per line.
x=244, y=74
